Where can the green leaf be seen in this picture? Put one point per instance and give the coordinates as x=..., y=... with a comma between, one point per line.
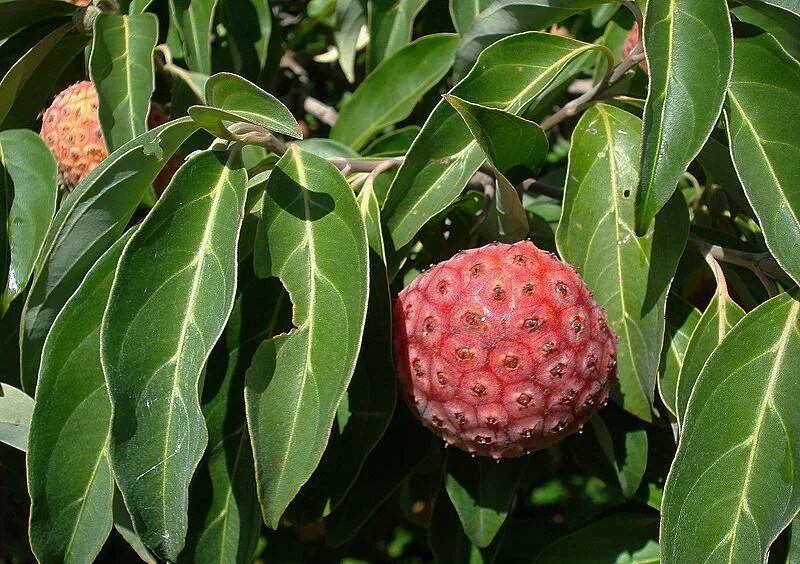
x=718, y=319
x=71, y=511
x=393, y=144
x=401, y=448
x=313, y=238
x=391, y=23
x=177, y=274
x=88, y=222
x=234, y=99
x=29, y=185
x=19, y=14
x=224, y=514
x=121, y=67
x=124, y=526
x=368, y=405
x=789, y=6
x=449, y=542
x=498, y=134
x=194, y=20
x=26, y=86
x=682, y=318
x=482, y=492
x=624, y=538
x=16, y=408
x=349, y=21
x=781, y=24
x=506, y=17
x=765, y=144
x=626, y=452
x=391, y=91
x=732, y=486
x=464, y=12
x=444, y=155
x=629, y=275
x=254, y=38
x=689, y=48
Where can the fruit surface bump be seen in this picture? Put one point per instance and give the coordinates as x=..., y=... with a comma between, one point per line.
x=502, y=350
x=71, y=129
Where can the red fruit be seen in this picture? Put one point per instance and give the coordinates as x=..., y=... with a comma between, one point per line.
x=502, y=350
x=630, y=42
x=71, y=129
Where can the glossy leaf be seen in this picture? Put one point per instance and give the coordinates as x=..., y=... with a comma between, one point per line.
x=681, y=320
x=71, y=511
x=732, y=486
x=689, y=48
x=234, y=99
x=177, y=273
x=778, y=22
x=18, y=14
x=29, y=181
x=194, y=19
x=390, y=27
x=368, y=404
x=765, y=144
x=718, y=319
x=224, y=513
x=86, y=224
x=629, y=275
x=790, y=6
x=624, y=538
x=506, y=17
x=482, y=492
x=16, y=408
x=313, y=238
x=444, y=155
x=26, y=86
x=464, y=12
x=391, y=91
x=512, y=144
x=121, y=68
x=350, y=19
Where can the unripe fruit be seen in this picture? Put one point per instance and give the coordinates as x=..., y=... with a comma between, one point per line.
x=502, y=350
x=630, y=42
x=71, y=129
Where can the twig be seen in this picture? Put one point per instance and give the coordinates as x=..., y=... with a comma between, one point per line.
x=256, y=135
x=322, y=112
x=533, y=185
x=763, y=265
x=364, y=165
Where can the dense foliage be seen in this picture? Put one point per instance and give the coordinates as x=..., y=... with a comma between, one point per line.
x=204, y=373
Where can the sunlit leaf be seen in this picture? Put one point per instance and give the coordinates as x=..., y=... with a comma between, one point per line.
x=390, y=26
x=464, y=12
x=681, y=320
x=194, y=19
x=16, y=408
x=350, y=19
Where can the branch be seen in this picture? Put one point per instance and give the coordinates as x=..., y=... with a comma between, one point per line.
x=322, y=112
x=763, y=265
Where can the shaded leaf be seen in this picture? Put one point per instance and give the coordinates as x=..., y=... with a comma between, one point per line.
x=350, y=19
x=27, y=165
x=391, y=23
x=780, y=23
x=391, y=91
x=124, y=526
x=71, y=512
x=19, y=14
x=254, y=38
x=121, y=68
x=464, y=12
x=394, y=143
x=717, y=320
x=194, y=20
x=313, y=238
x=629, y=275
x=177, y=273
x=16, y=408
x=689, y=48
x=732, y=486
x=86, y=224
x=444, y=156
x=448, y=541
x=625, y=451
x=765, y=144
x=681, y=320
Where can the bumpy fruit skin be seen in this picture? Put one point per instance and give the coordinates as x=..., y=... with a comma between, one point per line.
x=71, y=129
x=501, y=350
x=630, y=43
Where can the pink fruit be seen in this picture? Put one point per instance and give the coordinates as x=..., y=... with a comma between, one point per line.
x=501, y=350
x=71, y=129
x=630, y=42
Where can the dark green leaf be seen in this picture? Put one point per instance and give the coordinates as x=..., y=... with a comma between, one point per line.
x=252, y=37
x=682, y=318
x=313, y=238
x=732, y=486
x=121, y=67
x=464, y=12
x=391, y=91
x=765, y=143
x=71, y=511
x=689, y=47
x=349, y=21
x=16, y=408
x=626, y=452
x=391, y=23
x=124, y=526
x=88, y=222
x=177, y=273
x=19, y=14
x=781, y=24
x=194, y=20
x=444, y=155
x=27, y=165
x=719, y=317
x=393, y=144
x=448, y=541
x=629, y=275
